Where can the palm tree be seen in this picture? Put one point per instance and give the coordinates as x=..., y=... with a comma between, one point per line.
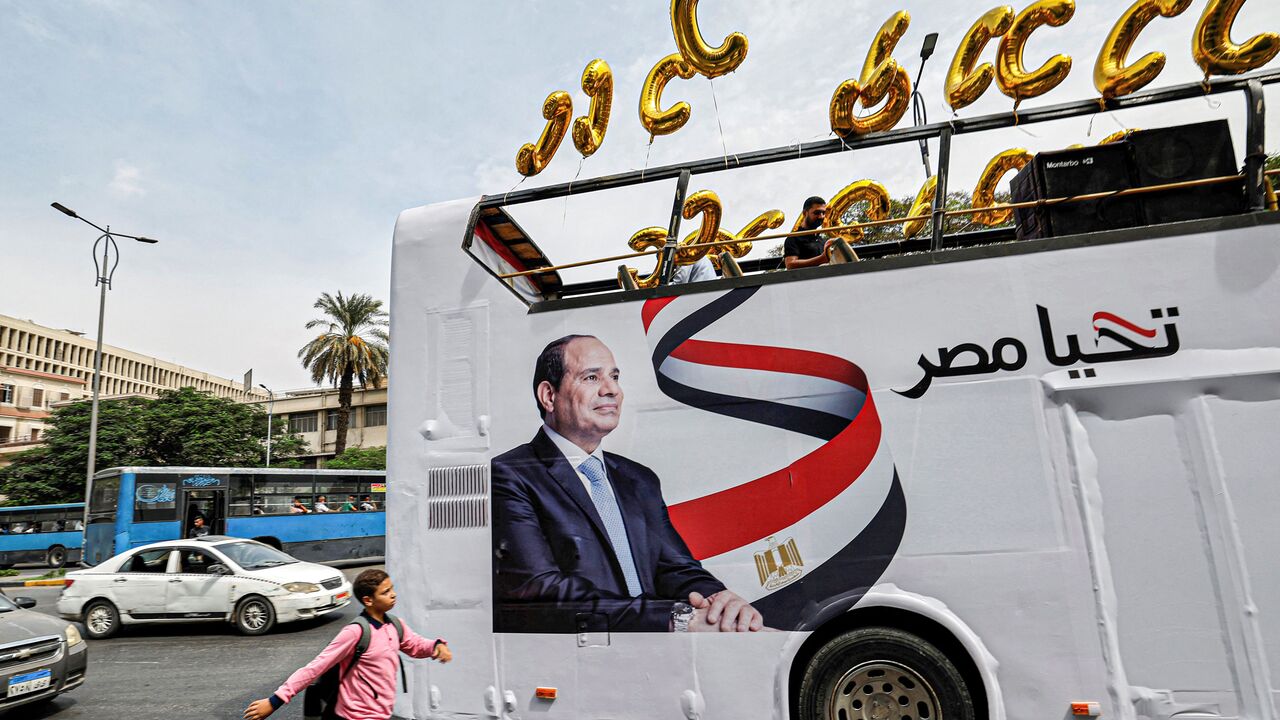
x=352, y=347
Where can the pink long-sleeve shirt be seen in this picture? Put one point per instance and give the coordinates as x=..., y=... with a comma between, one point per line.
x=367, y=691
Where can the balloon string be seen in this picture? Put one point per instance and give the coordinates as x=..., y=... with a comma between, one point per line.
x=565, y=215
x=647, y=150
x=513, y=187
x=716, y=105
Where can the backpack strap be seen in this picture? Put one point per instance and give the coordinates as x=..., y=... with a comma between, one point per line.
x=362, y=644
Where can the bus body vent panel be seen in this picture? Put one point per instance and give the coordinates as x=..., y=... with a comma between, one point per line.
x=458, y=497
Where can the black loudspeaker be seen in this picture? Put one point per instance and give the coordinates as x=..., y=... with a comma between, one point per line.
x=1068, y=173
x=1186, y=152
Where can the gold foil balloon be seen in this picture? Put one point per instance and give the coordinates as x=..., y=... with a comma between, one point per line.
x=706, y=203
x=923, y=205
x=882, y=78
x=1117, y=136
x=1012, y=77
x=1216, y=54
x=654, y=119
x=868, y=191
x=709, y=61
x=588, y=130
x=648, y=239
x=966, y=83
x=740, y=244
x=1111, y=76
x=984, y=193
x=533, y=157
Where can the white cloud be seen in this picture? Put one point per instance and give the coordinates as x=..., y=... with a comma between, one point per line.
x=127, y=181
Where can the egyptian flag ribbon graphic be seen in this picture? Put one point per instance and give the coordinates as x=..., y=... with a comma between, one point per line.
x=844, y=496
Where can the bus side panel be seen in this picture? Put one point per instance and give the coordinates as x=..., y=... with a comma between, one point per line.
x=318, y=536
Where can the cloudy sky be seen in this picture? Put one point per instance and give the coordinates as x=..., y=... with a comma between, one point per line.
x=270, y=146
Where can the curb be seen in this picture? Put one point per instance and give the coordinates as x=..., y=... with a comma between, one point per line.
x=32, y=583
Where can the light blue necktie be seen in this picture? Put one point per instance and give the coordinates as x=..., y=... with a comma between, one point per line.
x=607, y=506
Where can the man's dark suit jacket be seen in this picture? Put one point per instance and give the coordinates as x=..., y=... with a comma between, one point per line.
x=554, y=569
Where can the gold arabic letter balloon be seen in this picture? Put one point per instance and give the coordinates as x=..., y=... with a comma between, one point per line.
x=877, y=73
x=710, y=61
x=588, y=130
x=1216, y=54
x=881, y=76
x=1117, y=136
x=1012, y=76
x=984, y=193
x=706, y=203
x=843, y=107
x=654, y=119
x=1111, y=76
x=923, y=205
x=739, y=245
x=533, y=157
x=966, y=83
x=869, y=191
x=648, y=239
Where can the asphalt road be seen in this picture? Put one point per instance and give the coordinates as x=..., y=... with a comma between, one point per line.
x=206, y=670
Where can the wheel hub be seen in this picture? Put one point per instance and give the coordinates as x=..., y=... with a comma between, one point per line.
x=883, y=690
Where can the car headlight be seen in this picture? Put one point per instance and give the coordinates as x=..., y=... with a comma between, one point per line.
x=73, y=636
x=301, y=587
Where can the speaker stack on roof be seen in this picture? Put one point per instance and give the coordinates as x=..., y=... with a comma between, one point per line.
x=1146, y=157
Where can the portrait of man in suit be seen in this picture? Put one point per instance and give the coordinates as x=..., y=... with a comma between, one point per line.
x=582, y=541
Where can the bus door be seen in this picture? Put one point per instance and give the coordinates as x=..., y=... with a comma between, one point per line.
x=206, y=503
x=100, y=533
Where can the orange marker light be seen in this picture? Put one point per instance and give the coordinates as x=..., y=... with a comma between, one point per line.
x=545, y=693
x=1086, y=709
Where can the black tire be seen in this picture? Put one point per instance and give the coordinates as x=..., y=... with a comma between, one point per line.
x=101, y=619
x=882, y=672
x=56, y=557
x=254, y=615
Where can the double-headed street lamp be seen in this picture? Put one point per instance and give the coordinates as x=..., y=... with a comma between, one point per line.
x=104, y=272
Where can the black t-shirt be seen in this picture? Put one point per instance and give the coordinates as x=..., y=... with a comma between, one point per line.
x=805, y=246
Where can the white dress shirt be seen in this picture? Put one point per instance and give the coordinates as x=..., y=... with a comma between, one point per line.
x=575, y=455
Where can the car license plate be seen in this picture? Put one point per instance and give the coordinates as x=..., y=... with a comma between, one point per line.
x=340, y=597
x=30, y=682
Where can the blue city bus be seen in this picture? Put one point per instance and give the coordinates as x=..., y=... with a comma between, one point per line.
x=48, y=534
x=132, y=506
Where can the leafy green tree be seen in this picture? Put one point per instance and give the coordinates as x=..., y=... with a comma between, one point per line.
x=342, y=354
x=180, y=427
x=374, y=458
x=1273, y=162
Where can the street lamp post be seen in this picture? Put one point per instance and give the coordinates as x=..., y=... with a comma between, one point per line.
x=271, y=402
x=104, y=272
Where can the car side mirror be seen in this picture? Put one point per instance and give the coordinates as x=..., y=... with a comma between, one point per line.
x=218, y=569
x=25, y=603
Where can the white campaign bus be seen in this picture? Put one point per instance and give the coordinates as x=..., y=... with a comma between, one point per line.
x=1043, y=482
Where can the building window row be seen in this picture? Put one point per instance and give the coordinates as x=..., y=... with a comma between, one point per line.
x=309, y=422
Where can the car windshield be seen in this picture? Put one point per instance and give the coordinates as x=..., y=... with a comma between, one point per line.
x=255, y=556
x=6, y=605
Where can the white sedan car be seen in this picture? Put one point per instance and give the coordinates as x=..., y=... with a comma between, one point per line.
x=252, y=585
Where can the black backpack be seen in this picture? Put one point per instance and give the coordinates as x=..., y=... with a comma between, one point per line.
x=320, y=700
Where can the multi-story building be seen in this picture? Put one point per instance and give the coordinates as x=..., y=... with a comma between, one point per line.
x=41, y=365
x=313, y=414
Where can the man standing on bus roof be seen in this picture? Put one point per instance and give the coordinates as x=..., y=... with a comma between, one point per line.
x=808, y=250
x=581, y=535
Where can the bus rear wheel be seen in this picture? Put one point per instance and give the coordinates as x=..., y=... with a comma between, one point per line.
x=882, y=673
x=56, y=557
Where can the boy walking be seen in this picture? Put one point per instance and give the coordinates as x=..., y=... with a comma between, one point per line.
x=367, y=686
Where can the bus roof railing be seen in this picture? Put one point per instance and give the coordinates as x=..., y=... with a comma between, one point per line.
x=29, y=508
x=1253, y=176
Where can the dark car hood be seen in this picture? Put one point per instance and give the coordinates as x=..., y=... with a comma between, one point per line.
x=19, y=625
